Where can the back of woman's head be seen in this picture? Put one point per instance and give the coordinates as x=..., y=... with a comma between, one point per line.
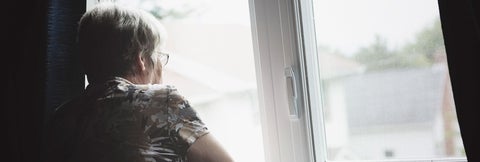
x=111, y=37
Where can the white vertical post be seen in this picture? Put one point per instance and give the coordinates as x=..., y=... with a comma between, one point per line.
x=276, y=47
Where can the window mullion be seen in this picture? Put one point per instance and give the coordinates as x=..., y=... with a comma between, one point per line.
x=276, y=49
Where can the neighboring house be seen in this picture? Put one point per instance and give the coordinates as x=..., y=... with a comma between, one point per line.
x=333, y=68
x=388, y=114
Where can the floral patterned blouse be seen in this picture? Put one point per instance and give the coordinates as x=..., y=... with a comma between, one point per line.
x=120, y=121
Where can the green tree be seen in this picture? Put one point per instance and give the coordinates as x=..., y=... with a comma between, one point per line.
x=428, y=42
x=422, y=52
x=378, y=57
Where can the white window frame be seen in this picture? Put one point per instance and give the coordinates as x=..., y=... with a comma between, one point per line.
x=284, y=45
x=277, y=45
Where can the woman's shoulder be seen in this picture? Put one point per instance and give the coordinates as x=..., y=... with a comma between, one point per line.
x=165, y=91
x=160, y=89
x=172, y=92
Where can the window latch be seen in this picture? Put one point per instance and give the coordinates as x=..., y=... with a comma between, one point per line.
x=291, y=92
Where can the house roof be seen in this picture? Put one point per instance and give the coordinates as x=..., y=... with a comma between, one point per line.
x=394, y=97
x=209, y=60
x=201, y=83
x=335, y=65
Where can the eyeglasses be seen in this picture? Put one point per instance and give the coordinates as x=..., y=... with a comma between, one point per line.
x=163, y=57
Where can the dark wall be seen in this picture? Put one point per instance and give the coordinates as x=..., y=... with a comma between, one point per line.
x=38, y=49
x=24, y=51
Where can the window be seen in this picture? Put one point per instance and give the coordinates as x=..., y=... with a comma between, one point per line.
x=386, y=90
x=336, y=80
x=349, y=80
x=212, y=65
x=389, y=154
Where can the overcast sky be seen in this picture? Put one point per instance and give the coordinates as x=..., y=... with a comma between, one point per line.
x=344, y=25
x=347, y=25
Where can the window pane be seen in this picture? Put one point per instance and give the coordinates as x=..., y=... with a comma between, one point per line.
x=385, y=86
x=211, y=63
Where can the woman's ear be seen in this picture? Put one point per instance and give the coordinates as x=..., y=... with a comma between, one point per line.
x=140, y=71
x=141, y=63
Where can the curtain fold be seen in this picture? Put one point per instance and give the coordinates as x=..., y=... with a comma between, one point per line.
x=461, y=31
x=64, y=76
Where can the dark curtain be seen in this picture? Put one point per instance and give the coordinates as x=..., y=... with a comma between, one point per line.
x=65, y=78
x=38, y=49
x=461, y=30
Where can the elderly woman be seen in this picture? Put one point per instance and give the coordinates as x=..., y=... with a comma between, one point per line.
x=126, y=114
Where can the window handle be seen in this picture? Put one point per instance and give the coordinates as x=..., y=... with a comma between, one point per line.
x=291, y=92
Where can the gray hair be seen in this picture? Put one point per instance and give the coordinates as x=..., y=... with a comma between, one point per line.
x=110, y=37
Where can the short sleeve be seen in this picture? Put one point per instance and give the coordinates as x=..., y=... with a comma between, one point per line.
x=185, y=125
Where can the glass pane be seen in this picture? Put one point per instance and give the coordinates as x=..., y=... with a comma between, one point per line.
x=211, y=63
x=385, y=86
